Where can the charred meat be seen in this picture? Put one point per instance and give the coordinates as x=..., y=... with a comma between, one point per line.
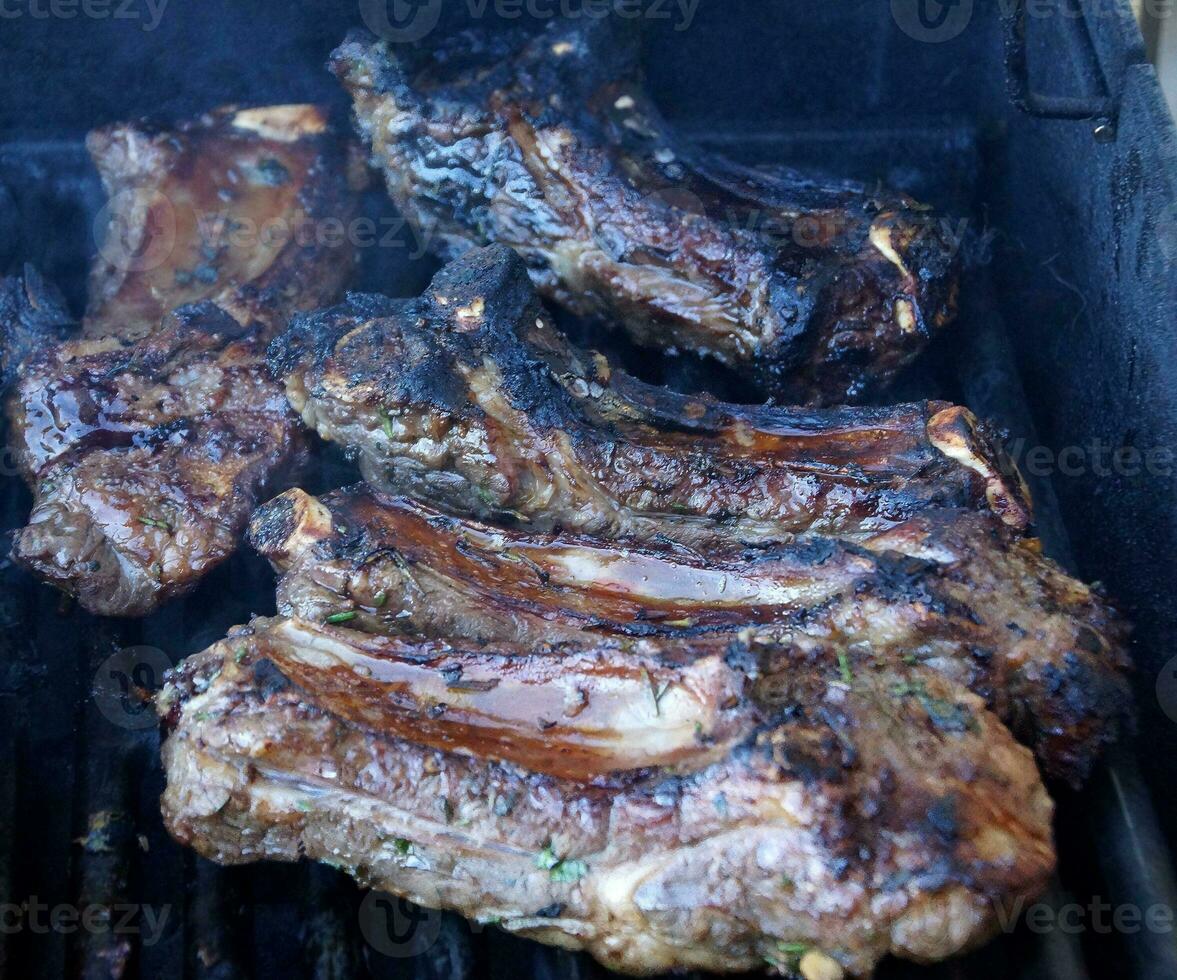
x=467, y=398
x=33, y=315
x=149, y=441
x=849, y=823
x=820, y=291
x=993, y=614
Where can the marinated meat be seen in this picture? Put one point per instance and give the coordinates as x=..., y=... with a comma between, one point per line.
x=148, y=481
x=875, y=807
x=231, y=207
x=149, y=440
x=953, y=592
x=467, y=398
x=818, y=290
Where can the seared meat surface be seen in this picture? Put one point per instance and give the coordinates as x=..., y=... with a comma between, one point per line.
x=466, y=398
x=871, y=808
x=952, y=592
x=581, y=711
x=147, y=459
x=819, y=291
x=148, y=441
x=228, y=207
x=33, y=314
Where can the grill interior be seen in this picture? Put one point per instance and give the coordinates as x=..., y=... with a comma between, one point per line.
x=1054, y=343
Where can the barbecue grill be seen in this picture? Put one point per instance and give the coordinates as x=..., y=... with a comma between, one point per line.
x=1041, y=124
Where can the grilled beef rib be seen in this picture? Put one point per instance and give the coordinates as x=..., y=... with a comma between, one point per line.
x=149, y=439
x=872, y=808
x=950, y=591
x=467, y=398
x=820, y=291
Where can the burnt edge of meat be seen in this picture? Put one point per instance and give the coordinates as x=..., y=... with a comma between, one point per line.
x=33, y=314
x=828, y=287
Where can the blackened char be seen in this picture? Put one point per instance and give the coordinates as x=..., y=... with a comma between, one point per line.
x=33, y=315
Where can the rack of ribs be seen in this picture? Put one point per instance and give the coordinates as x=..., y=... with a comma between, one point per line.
x=1042, y=649
x=818, y=291
x=723, y=685
x=149, y=438
x=467, y=398
x=817, y=817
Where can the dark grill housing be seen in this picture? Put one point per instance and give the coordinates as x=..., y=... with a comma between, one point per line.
x=1062, y=156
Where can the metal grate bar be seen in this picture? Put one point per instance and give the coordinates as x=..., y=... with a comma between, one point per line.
x=217, y=934
x=103, y=949
x=9, y=773
x=329, y=932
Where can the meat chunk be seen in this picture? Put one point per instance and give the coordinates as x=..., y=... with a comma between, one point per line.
x=149, y=439
x=230, y=207
x=580, y=712
x=853, y=821
x=467, y=398
x=818, y=290
x=1045, y=651
x=147, y=458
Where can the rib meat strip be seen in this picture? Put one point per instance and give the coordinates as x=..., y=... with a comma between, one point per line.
x=467, y=398
x=1045, y=651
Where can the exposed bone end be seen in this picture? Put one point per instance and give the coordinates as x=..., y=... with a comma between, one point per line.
x=953, y=923
x=288, y=526
x=125, y=154
x=957, y=434
x=283, y=123
x=816, y=965
x=905, y=315
x=880, y=238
